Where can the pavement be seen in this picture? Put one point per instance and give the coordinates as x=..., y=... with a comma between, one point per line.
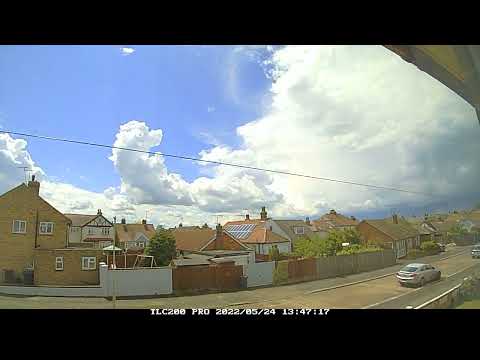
x=377, y=288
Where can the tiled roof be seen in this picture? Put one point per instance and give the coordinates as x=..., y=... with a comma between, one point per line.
x=261, y=235
x=288, y=225
x=337, y=220
x=443, y=226
x=399, y=231
x=80, y=219
x=192, y=260
x=192, y=239
x=129, y=232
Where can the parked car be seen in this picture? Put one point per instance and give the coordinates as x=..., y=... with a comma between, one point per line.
x=476, y=252
x=418, y=274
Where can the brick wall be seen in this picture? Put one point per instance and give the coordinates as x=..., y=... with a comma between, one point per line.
x=17, y=250
x=72, y=273
x=224, y=242
x=369, y=234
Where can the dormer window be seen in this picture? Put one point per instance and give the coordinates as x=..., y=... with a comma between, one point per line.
x=299, y=230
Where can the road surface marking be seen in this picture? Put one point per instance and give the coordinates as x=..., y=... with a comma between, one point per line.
x=374, y=278
x=390, y=299
x=398, y=296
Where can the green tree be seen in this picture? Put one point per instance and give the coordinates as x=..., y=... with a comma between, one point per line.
x=458, y=229
x=352, y=236
x=162, y=247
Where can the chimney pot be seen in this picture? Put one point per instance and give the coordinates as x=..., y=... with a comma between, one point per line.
x=123, y=221
x=263, y=214
x=33, y=177
x=307, y=220
x=247, y=217
x=144, y=222
x=395, y=218
x=333, y=212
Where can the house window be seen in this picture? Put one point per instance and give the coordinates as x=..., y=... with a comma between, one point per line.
x=106, y=231
x=46, y=228
x=141, y=244
x=300, y=230
x=89, y=263
x=59, y=263
x=90, y=231
x=19, y=227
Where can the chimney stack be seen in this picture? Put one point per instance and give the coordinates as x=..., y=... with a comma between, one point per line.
x=144, y=222
x=263, y=214
x=99, y=212
x=123, y=221
x=307, y=221
x=219, y=230
x=35, y=185
x=395, y=218
x=247, y=217
x=180, y=225
x=353, y=218
x=333, y=212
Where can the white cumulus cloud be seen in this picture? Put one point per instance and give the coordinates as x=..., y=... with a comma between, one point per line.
x=127, y=51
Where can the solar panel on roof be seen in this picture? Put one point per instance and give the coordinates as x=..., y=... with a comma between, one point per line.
x=240, y=231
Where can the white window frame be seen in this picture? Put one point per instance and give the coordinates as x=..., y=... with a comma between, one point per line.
x=296, y=228
x=46, y=223
x=59, y=260
x=21, y=222
x=90, y=231
x=105, y=231
x=141, y=244
x=90, y=260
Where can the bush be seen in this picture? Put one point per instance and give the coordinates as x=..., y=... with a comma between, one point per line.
x=430, y=247
x=415, y=253
x=358, y=249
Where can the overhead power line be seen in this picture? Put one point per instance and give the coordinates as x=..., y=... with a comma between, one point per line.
x=215, y=162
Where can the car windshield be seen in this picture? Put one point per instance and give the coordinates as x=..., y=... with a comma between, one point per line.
x=476, y=247
x=410, y=269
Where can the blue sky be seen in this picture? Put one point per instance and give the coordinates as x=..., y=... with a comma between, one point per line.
x=315, y=116
x=86, y=92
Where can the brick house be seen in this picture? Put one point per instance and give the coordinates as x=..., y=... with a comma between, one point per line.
x=335, y=221
x=390, y=233
x=207, y=239
x=265, y=233
x=33, y=234
x=134, y=237
x=206, y=246
x=95, y=230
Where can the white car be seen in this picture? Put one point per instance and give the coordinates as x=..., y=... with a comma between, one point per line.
x=476, y=252
x=418, y=274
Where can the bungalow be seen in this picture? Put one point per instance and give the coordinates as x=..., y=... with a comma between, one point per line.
x=134, y=237
x=336, y=221
x=205, y=246
x=390, y=233
x=265, y=233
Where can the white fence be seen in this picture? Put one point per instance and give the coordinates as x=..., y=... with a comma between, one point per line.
x=260, y=274
x=125, y=282
x=138, y=282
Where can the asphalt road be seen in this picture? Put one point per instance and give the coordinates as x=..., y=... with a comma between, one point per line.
x=356, y=291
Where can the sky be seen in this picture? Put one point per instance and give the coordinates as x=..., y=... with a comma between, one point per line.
x=356, y=113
